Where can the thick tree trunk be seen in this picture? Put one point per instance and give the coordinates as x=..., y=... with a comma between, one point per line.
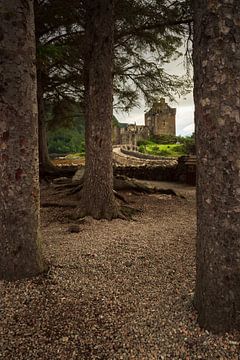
x=20, y=252
x=217, y=101
x=97, y=194
x=45, y=165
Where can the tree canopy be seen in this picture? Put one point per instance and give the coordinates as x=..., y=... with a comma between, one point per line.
x=147, y=35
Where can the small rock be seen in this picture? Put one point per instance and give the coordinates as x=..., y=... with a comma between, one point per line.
x=65, y=339
x=74, y=228
x=233, y=342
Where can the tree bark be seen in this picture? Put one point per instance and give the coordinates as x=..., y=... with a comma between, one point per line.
x=20, y=251
x=217, y=114
x=97, y=198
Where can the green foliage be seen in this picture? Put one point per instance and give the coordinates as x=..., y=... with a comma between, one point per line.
x=168, y=145
x=189, y=144
x=168, y=150
x=148, y=35
x=65, y=113
x=66, y=127
x=144, y=142
x=75, y=156
x=65, y=140
x=165, y=139
x=141, y=148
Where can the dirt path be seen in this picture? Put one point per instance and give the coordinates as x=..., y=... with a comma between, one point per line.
x=116, y=290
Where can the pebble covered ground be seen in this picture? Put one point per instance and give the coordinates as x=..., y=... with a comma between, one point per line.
x=115, y=290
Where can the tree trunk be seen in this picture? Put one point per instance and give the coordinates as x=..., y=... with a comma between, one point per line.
x=45, y=165
x=20, y=252
x=217, y=101
x=97, y=194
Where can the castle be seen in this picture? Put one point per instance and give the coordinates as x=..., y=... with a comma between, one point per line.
x=159, y=120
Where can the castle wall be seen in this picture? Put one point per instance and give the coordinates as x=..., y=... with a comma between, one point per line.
x=165, y=124
x=130, y=135
x=160, y=119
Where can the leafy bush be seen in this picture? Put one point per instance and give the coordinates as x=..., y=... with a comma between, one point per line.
x=165, y=139
x=144, y=142
x=142, y=148
x=170, y=145
x=155, y=148
x=170, y=150
x=65, y=140
x=189, y=144
x=163, y=153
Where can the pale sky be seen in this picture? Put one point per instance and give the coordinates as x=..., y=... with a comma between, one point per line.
x=184, y=106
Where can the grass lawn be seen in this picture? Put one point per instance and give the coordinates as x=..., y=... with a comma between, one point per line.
x=171, y=150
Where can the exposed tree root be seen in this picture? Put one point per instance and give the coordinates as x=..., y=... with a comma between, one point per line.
x=50, y=172
x=127, y=212
x=122, y=183
x=120, y=197
x=67, y=187
x=47, y=204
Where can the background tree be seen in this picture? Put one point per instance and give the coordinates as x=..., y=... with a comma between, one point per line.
x=133, y=71
x=55, y=34
x=97, y=198
x=217, y=94
x=20, y=253
x=147, y=35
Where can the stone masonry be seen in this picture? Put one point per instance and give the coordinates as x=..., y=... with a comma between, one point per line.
x=159, y=120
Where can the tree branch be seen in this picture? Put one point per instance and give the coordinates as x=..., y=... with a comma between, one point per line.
x=155, y=26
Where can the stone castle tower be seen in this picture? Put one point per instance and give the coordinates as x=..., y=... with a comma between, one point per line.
x=160, y=119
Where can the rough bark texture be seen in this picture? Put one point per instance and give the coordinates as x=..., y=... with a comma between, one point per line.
x=97, y=194
x=20, y=252
x=217, y=100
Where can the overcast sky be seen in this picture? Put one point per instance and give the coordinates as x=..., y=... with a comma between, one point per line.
x=184, y=106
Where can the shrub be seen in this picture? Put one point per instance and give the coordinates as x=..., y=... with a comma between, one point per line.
x=165, y=139
x=65, y=140
x=142, y=149
x=144, y=142
x=163, y=152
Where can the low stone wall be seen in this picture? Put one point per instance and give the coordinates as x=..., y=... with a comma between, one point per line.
x=144, y=172
x=131, y=163
x=129, y=158
x=181, y=170
x=142, y=156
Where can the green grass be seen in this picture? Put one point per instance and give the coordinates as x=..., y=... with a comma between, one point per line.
x=168, y=150
x=75, y=156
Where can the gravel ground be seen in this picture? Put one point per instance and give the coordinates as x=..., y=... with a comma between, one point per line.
x=115, y=290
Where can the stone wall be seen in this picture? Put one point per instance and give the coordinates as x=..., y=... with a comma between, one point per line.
x=147, y=172
x=160, y=119
x=133, y=158
x=141, y=166
x=177, y=172
x=142, y=156
x=130, y=135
